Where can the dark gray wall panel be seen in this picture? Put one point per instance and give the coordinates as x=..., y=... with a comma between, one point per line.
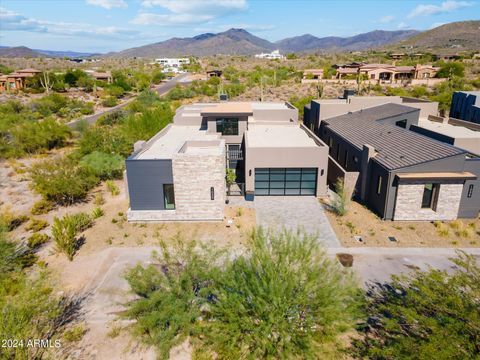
x=145, y=183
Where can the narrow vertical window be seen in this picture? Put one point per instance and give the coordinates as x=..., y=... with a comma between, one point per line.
x=379, y=185
x=470, y=191
x=430, y=196
x=169, y=197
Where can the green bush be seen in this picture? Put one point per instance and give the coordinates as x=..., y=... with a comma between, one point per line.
x=432, y=314
x=110, y=101
x=63, y=180
x=341, y=198
x=37, y=240
x=41, y=207
x=283, y=299
x=113, y=118
x=97, y=213
x=10, y=221
x=36, y=225
x=450, y=69
x=64, y=234
x=105, y=166
x=115, y=91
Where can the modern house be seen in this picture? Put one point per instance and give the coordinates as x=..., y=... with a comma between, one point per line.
x=179, y=174
x=398, y=173
x=275, y=54
x=102, y=76
x=312, y=74
x=173, y=65
x=466, y=106
x=322, y=109
x=16, y=80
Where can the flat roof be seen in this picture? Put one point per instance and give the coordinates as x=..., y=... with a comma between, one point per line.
x=448, y=129
x=172, y=139
x=229, y=108
x=278, y=136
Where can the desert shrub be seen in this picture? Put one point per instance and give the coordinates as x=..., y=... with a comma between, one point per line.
x=74, y=334
x=63, y=180
x=341, y=198
x=99, y=200
x=41, y=207
x=37, y=240
x=110, y=101
x=36, y=225
x=283, y=298
x=104, y=139
x=431, y=314
x=450, y=69
x=97, y=213
x=114, y=91
x=49, y=104
x=112, y=118
x=112, y=188
x=105, y=166
x=29, y=137
x=10, y=220
x=148, y=123
x=64, y=232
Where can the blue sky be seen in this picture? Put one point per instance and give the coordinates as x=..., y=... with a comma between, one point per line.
x=111, y=25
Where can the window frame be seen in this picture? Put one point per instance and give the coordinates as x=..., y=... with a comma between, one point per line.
x=433, y=197
x=227, y=126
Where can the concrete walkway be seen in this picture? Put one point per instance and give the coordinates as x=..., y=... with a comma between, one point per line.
x=295, y=212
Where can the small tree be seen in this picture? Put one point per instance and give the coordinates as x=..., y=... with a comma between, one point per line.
x=427, y=315
x=230, y=177
x=341, y=198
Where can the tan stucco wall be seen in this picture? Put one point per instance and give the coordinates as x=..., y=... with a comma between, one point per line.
x=290, y=157
x=408, y=205
x=469, y=144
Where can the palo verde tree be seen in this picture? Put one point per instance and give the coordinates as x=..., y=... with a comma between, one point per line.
x=430, y=314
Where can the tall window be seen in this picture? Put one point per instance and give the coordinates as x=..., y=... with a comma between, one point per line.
x=169, y=196
x=430, y=196
x=470, y=191
x=227, y=126
x=379, y=185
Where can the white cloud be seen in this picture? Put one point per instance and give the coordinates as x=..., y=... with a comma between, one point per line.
x=387, y=19
x=108, y=4
x=185, y=12
x=437, y=24
x=12, y=21
x=444, y=7
x=402, y=26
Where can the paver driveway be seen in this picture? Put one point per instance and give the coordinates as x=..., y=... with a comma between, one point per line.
x=294, y=212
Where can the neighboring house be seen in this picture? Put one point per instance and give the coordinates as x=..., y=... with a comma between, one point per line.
x=179, y=174
x=397, y=56
x=172, y=65
x=16, y=80
x=214, y=73
x=273, y=55
x=312, y=74
x=102, y=76
x=387, y=73
x=322, y=109
x=398, y=173
x=466, y=106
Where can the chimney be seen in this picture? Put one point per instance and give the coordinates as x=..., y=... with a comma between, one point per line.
x=367, y=153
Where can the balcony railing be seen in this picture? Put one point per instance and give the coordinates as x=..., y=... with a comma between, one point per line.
x=235, y=155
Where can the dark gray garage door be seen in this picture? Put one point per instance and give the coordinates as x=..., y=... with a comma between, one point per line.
x=285, y=181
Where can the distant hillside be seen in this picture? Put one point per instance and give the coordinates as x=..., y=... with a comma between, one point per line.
x=233, y=41
x=23, y=51
x=19, y=51
x=368, y=40
x=457, y=36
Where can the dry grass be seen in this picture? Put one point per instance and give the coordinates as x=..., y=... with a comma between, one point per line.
x=375, y=232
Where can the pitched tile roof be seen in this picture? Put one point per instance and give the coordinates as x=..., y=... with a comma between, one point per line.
x=396, y=147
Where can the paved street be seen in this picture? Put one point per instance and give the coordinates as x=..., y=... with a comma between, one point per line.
x=161, y=89
x=295, y=212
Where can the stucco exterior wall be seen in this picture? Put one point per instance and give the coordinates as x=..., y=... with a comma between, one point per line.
x=409, y=202
x=193, y=177
x=289, y=157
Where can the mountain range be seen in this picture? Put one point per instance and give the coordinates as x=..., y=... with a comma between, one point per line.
x=456, y=36
x=241, y=42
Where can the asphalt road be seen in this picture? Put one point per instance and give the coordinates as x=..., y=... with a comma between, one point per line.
x=161, y=89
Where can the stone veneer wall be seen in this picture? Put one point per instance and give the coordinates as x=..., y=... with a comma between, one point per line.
x=193, y=176
x=409, y=202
